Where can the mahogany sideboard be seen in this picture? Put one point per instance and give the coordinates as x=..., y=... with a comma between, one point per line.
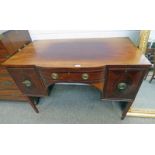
x=115, y=66
x=11, y=41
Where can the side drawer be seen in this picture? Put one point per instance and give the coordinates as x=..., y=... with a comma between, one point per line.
x=123, y=83
x=28, y=81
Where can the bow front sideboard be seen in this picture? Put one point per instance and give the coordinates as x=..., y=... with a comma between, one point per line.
x=115, y=66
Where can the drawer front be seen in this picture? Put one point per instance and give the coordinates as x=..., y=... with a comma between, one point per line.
x=28, y=81
x=123, y=83
x=50, y=76
x=15, y=95
x=6, y=82
x=8, y=88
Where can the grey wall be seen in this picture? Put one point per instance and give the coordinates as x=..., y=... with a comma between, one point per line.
x=152, y=35
x=47, y=34
x=1, y=31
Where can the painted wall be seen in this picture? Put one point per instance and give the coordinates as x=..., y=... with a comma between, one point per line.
x=1, y=31
x=152, y=35
x=47, y=34
x=40, y=34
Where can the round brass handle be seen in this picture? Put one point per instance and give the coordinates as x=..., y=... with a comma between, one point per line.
x=122, y=86
x=85, y=76
x=27, y=83
x=54, y=76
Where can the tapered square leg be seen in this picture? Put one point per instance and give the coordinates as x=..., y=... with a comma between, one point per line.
x=152, y=77
x=32, y=103
x=126, y=109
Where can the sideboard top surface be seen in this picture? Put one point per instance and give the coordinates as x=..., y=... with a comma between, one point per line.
x=79, y=53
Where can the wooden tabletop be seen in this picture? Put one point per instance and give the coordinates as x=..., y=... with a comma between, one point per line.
x=79, y=53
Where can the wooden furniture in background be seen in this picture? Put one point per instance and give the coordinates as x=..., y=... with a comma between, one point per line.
x=11, y=42
x=150, y=52
x=113, y=65
x=153, y=75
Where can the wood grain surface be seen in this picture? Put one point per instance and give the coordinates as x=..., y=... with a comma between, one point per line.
x=74, y=53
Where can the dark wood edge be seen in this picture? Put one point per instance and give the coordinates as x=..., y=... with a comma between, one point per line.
x=82, y=82
x=129, y=66
x=41, y=79
x=105, y=84
x=73, y=69
x=80, y=69
x=17, y=66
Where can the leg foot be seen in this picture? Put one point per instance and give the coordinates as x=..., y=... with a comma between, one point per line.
x=146, y=75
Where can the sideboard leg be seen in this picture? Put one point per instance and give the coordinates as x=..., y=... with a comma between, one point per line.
x=101, y=95
x=126, y=109
x=37, y=99
x=32, y=103
x=152, y=77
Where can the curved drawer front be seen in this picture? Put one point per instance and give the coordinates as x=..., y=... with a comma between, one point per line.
x=28, y=80
x=50, y=76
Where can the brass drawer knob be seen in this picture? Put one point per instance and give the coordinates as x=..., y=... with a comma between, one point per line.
x=54, y=76
x=85, y=76
x=122, y=86
x=27, y=83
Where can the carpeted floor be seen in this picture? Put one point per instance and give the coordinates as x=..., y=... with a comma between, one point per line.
x=146, y=96
x=67, y=104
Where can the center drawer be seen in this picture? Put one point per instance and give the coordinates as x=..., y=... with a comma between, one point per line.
x=84, y=75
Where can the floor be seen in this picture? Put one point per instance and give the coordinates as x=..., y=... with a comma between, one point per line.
x=68, y=104
x=146, y=96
